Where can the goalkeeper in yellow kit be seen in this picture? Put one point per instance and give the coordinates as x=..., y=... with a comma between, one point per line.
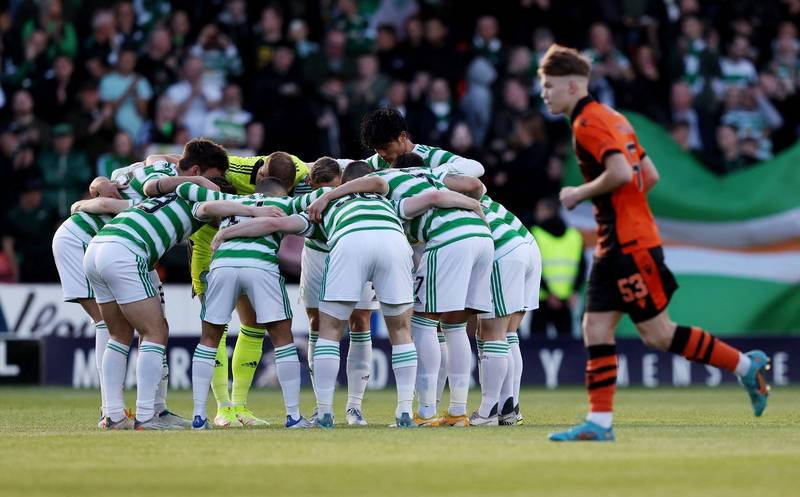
x=243, y=173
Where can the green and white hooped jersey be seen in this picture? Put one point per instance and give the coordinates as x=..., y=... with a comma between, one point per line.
x=508, y=232
x=436, y=227
x=85, y=226
x=260, y=252
x=433, y=157
x=356, y=212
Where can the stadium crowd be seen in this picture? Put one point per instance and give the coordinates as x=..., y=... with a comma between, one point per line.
x=88, y=86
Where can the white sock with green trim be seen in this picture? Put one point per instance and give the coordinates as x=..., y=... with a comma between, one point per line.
x=149, y=369
x=288, y=365
x=326, y=368
x=203, y=362
x=115, y=365
x=313, y=336
x=423, y=331
x=404, y=364
x=441, y=380
x=161, y=393
x=459, y=365
x=514, y=352
x=495, y=366
x=359, y=364
x=100, y=340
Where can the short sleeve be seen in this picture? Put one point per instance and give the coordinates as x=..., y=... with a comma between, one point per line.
x=595, y=139
x=310, y=228
x=195, y=207
x=400, y=207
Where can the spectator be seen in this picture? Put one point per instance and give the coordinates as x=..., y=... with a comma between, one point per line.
x=127, y=93
x=785, y=64
x=27, y=236
x=355, y=27
x=419, y=86
x=255, y=138
x=226, y=124
x=486, y=42
x=433, y=122
x=737, y=68
x=65, y=171
x=31, y=69
x=682, y=105
x=278, y=83
x=461, y=142
x=648, y=93
x=180, y=27
x=413, y=46
x=193, y=98
x=100, y=48
x=158, y=63
x=728, y=150
x=92, y=122
x=128, y=33
x=396, y=97
x=477, y=103
x=563, y=270
x=234, y=24
x=333, y=60
x=163, y=127
x=331, y=119
x=61, y=33
x=393, y=60
x=365, y=91
x=695, y=62
x=57, y=94
x=17, y=165
x=394, y=13
x=32, y=131
x=298, y=34
x=611, y=70
x=269, y=34
x=219, y=55
x=751, y=113
x=440, y=58
x=520, y=63
x=121, y=155
x=516, y=104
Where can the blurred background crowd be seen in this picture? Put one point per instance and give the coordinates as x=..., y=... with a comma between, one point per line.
x=88, y=86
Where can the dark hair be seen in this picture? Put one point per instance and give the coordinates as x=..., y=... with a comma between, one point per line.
x=281, y=166
x=204, y=153
x=408, y=160
x=272, y=186
x=564, y=61
x=356, y=169
x=224, y=185
x=324, y=170
x=382, y=126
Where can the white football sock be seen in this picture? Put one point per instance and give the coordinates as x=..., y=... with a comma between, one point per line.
x=149, y=370
x=404, y=364
x=100, y=340
x=513, y=343
x=203, y=362
x=604, y=419
x=459, y=365
x=326, y=368
x=161, y=394
x=507, y=390
x=423, y=332
x=288, y=365
x=313, y=336
x=115, y=365
x=743, y=366
x=479, y=346
x=359, y=364
x=495, y=366
x=441, y=381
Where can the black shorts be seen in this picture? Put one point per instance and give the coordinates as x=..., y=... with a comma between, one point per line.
x=638, y=284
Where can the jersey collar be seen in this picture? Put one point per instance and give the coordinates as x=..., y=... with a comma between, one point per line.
x=580, y=105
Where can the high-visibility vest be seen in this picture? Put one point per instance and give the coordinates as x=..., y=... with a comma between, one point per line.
x=561, y=259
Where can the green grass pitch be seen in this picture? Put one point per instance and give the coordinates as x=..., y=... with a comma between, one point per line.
x=670, y=442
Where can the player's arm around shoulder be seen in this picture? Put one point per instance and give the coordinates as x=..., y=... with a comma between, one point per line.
x=365, y=184
x=417, y=205
x=261, y=226
x=100, y=205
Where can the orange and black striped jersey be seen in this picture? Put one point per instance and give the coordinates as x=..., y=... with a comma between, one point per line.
x=624, y=220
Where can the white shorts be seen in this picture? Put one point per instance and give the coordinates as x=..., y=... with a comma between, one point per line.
x=68, y=252
x=380, y=256
x=515, y=281
x=265, y=290
x=313, y=267
x=455, y=277
x=118, y=275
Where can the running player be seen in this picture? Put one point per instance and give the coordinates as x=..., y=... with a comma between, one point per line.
x=117, y=262
x=247, y=266
x=452, y=281
x=367, y=243
x=629, y=274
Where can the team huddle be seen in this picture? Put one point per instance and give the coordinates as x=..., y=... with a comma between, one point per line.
x=409, y=231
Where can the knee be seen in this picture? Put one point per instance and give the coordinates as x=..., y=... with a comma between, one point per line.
x=360, y=320
x=655, y=339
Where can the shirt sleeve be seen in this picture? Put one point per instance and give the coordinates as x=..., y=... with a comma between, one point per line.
x=310, y=227
x=400, y=208
x=195, y=206
x=196, y=193
x=596, y=140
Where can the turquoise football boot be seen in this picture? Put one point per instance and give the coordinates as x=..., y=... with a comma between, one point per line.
x=584, y=432
x=755, y=381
